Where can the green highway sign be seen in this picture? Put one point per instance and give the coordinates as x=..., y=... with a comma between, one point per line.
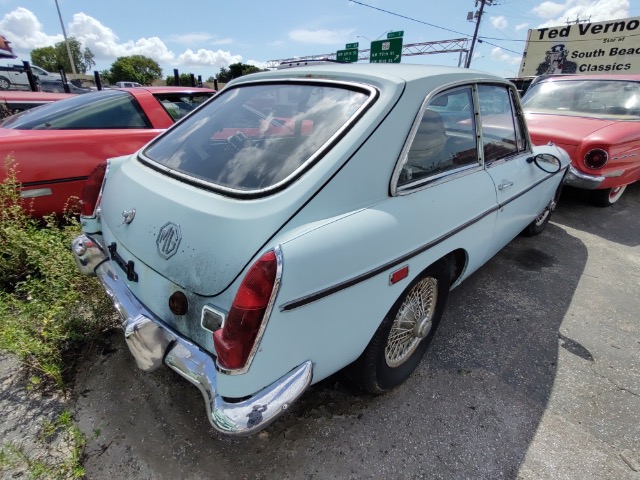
x=386, y=51
x=351, y=45
x=347, y=56
x=395, y=34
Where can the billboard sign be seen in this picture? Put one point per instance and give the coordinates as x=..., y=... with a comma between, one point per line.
x=612, y=46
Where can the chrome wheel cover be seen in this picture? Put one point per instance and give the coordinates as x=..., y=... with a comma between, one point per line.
x=542, y=217
x=413, y=322
x=616, y=193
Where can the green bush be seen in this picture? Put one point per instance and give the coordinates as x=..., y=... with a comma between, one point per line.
x=47, y=309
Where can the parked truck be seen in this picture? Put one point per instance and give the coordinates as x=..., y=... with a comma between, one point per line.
x=14, y=77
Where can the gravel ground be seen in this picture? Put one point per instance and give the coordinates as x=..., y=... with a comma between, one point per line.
x=534, y=374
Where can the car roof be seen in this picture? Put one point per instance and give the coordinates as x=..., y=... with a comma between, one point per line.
x=156, y=90
x=611, y=76
x=14, y=95
x=396, y=73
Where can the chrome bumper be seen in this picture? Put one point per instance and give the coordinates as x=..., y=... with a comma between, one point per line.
x=576, y=178
x=152, y=343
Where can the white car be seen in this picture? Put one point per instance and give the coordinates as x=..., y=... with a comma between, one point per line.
x=127, y=85
x=15, y=77
x=309, y=220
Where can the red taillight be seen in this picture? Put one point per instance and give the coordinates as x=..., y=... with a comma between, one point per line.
x=91, y=190
x=596, y=158
x=235, y=340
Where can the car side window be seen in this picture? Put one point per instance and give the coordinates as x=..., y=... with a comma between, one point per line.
x=502, y=133
x=177, y=105
x=110, y=112
x=445, y=138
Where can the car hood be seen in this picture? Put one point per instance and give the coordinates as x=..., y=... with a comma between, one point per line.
x=562, y=129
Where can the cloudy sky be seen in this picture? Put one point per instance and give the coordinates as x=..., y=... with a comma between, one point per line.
x=201, y=37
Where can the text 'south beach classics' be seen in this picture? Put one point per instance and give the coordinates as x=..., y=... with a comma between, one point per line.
x=602, y=47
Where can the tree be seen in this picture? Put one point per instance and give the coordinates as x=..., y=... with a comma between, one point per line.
x=56, y=57
x=185, y=80
x=236, y=70
x=135, y=68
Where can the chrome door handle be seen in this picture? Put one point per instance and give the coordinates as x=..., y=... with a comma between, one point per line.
x=504, y=185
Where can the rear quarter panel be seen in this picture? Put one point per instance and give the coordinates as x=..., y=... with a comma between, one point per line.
x=363, y=248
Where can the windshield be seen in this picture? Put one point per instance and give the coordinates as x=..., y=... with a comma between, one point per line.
x=618, y=99
x=255, y=137
x=98, y=110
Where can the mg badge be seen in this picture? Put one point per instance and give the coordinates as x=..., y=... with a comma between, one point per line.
x=168, y=240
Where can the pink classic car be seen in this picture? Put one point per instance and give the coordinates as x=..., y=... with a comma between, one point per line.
x=596, y=119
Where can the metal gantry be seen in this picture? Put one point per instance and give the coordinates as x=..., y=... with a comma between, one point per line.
x=410, y=49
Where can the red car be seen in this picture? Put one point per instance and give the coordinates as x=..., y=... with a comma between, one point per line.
x=56, y=147
x=596, y=119
x=14, y=101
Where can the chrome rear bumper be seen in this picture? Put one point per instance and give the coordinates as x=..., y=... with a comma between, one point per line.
x=575, y=178
x=153, y=343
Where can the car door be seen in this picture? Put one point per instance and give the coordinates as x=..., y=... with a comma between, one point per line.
x=452, y=197
x=505, y=150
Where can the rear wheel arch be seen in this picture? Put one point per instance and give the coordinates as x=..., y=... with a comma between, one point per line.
x=378, y=368
x=458, y=260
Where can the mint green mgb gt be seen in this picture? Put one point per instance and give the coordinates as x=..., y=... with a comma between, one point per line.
x=311, y=220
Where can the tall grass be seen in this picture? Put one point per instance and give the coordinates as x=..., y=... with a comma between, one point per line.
x=48, y=310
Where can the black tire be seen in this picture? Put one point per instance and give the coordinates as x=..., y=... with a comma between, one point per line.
x=607, y=196
x=539, y=224
x=5, y=83
x=382, y=366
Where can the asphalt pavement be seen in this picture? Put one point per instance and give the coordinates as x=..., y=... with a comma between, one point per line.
x=533, y=374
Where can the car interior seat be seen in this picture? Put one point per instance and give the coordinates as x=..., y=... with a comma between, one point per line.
x=429, y=150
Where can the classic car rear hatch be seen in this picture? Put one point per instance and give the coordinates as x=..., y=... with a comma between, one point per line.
x=210, y=193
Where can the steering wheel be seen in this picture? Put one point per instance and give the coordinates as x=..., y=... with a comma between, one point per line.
x=239, y=141
x=591, y=105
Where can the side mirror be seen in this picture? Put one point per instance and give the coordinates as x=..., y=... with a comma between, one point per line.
x=546, y=162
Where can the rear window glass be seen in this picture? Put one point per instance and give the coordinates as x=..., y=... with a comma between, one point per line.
x=255, y=137
x=178, y=105
x=98, y=110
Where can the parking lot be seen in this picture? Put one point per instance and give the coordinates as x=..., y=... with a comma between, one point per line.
x=534, y=374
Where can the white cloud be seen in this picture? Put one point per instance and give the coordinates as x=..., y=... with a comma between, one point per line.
x=555, y=13
x=521, y=26
x=23, y=29
x=255, y=63
x=322, y=37
x=499, y=22
x=549, y=9
x=499, y=55
x=191, y=38
x=25, y=32
x=204, y=57
x=103, y=42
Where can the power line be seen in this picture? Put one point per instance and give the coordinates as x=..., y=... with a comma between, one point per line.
x=408, y=18
x=434, y=26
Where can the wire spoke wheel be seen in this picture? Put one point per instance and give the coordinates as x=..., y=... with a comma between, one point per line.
x=405, y=333
x=413, y=322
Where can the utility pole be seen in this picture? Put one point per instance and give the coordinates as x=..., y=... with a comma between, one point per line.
x=64, y=34
x=478, y=17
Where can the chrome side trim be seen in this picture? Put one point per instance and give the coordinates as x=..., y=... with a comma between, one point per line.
x=153, y=343
x=576, y=178
x=312, y=297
